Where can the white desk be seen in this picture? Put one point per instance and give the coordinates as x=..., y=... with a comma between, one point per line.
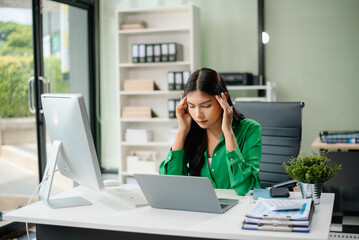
x=109, y=216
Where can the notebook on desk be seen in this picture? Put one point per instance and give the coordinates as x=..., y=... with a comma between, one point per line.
x=182, y=193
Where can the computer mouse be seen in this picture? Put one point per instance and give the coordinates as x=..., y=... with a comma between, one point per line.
x=111, y=182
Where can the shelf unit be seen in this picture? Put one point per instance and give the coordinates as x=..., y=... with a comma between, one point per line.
x=269, y=88
x=164, y=24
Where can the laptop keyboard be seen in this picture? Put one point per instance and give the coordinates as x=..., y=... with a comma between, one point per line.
x=223, y=205
x=130, y=196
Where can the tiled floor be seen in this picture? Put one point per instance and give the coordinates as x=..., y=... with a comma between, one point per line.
x=345, y=225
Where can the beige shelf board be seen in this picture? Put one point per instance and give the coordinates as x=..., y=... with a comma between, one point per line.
x=248, y=87
x=147, y=144
x=320, y=145
x=158, y=92
x=155, y=64
x=148, y=120
x=153, y=30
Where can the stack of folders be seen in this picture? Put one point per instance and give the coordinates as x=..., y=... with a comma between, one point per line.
x=137, y=112
x=138, y=135
x=339, y=136
x=140, y=85
x=156, y=52
x=177, y=80
x=280, y=215
x=133, y=24
x=172, y=104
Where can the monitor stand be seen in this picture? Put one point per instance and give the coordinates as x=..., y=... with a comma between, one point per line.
x=45, y=188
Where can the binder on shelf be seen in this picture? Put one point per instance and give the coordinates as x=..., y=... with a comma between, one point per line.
x=142, y=53
x=140, y=85
x=134, y=53
x=171, y=80
x=157, y=52
x=164, y=52
x=149, y=53
x=133, y=24
x=137, y=112
x=339, y=136
x=178, y=81
x=175, y=52
x=185, y=76
x=172, y=108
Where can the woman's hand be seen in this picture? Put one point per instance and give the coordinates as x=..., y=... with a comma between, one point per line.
x=184, y=124
x=184, y=119
x=227, y=113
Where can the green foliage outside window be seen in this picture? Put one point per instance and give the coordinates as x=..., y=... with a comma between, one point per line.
x=16, y=67
x=13, y=85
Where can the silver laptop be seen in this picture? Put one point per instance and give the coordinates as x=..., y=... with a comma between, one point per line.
x=182, y=193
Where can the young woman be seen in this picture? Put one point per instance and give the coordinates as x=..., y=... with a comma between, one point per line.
x=213, y=139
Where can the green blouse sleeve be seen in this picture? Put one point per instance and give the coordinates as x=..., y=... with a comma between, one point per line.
x=174, y=163
x=243, y=165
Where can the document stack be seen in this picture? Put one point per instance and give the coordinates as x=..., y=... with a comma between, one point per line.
x=134, y=24
x=137, y=112
x=280, y=215
x=339, y=136
x=138, y=135
x=140, y=85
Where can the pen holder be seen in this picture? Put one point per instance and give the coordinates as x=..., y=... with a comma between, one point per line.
x=313, y=191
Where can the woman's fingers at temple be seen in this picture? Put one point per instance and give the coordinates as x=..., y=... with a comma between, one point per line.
x=221, y=100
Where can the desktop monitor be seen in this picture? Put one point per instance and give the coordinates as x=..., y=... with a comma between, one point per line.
x=72, y=150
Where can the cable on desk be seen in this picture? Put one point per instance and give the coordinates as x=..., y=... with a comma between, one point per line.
x=33, y=193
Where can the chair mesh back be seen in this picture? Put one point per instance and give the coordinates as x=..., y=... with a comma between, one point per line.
x=281, y=136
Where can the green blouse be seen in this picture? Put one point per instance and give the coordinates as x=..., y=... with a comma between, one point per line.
x=236, y=170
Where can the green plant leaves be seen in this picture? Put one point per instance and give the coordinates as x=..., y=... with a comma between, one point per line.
x=312, y=168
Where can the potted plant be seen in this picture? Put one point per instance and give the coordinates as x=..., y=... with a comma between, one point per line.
x=312, y=170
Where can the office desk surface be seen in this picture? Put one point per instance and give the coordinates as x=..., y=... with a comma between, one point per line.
x=320, y=145
x=108, y=214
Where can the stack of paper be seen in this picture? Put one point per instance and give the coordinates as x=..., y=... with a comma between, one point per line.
x=140, y=85
x=260, y=217
x=133, y=24
x=138, y=135
x=137, y=112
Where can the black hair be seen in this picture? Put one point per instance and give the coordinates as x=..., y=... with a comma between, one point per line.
x=208, y=81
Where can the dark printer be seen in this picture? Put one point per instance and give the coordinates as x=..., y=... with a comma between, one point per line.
x=232, y=79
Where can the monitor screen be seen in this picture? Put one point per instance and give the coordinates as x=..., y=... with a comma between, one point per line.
x=73, y=148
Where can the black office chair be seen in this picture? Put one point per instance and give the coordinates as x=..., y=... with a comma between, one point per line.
x=281, y=136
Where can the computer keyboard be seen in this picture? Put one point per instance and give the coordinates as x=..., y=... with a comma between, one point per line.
x=131, y=196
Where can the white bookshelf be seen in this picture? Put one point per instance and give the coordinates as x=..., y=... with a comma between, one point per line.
x=269, y=88
x=164, y=24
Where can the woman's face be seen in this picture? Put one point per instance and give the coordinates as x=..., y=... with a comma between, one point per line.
x=204, y=109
